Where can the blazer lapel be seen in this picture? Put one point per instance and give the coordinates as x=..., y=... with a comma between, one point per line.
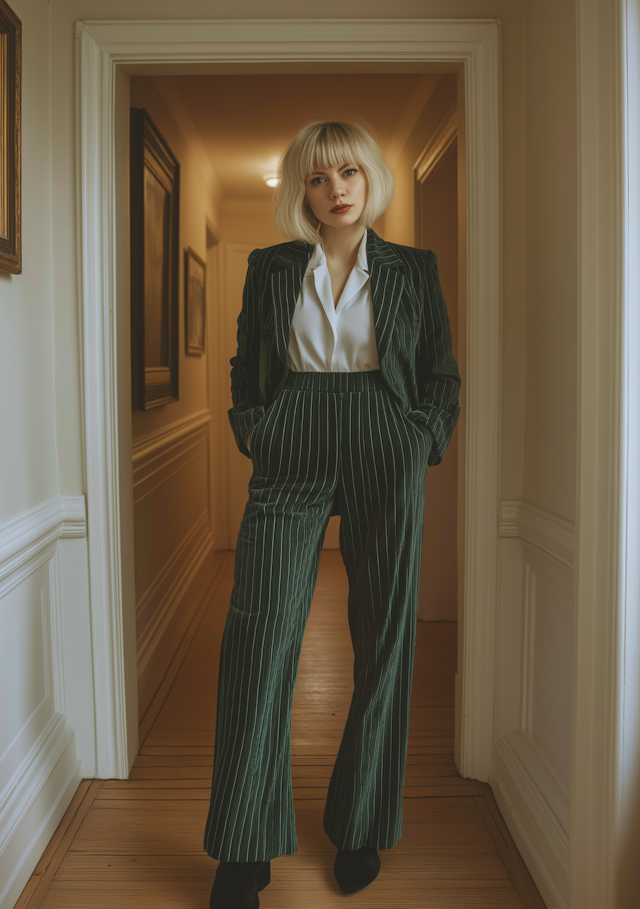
x=291, y=264
x=387, y=286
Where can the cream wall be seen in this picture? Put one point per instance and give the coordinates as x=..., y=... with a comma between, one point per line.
x=28, y=446
x=172, y=519
x=46, y=733
x=552, y=265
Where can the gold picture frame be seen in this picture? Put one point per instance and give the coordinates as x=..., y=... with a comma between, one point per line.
x=10, y=141
x=195, y=303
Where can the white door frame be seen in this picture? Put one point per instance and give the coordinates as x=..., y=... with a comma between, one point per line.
x=105, y=45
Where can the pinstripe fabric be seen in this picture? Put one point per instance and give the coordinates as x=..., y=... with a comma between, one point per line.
x=411, y=326
x=325, y=438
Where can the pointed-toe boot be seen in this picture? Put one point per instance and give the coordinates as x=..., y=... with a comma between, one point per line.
x=237, y=884
x=356, y=869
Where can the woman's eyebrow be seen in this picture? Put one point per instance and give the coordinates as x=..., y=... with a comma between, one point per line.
x=342, y=167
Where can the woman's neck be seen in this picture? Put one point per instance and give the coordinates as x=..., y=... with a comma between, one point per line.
x=341, y=244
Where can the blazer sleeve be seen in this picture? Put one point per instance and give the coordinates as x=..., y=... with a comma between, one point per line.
x=246, y=410
x=437, y=373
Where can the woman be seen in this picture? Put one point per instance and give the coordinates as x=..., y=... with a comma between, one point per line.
x=344, y=390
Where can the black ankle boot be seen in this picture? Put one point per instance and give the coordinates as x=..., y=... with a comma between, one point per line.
x=237, y=884
x=355, y=869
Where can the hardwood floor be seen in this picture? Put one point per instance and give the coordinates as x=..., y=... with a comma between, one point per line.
x=137, y=843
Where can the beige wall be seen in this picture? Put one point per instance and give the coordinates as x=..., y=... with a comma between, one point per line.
x=171, y=490
x=28, y=462
x=551, y=265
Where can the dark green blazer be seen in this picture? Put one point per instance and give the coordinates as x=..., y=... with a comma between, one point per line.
x=410, y=323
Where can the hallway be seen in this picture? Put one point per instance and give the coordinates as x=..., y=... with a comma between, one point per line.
x=137, y=844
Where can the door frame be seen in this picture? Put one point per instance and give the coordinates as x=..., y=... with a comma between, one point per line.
x=102, y=47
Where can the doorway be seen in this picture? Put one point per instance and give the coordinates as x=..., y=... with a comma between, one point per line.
x=471, y=48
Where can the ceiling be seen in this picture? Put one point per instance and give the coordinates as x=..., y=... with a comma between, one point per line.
x=246, y=121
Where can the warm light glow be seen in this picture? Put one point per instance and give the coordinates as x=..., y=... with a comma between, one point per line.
x=271, y=179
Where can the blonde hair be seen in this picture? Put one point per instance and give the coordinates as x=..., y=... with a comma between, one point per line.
x=325, y=144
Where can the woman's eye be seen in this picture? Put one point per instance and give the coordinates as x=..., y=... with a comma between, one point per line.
x=316, y=180
x=351, y=170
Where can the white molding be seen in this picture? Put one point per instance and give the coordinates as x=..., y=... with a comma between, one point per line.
x=25, y=535
x=540, y=527
x=604, y=420
x=276, y=40
x=475, y=44
x=97, y=269
x=158, y=444
x=439, y=145
x=169, y=588
x=627, y=745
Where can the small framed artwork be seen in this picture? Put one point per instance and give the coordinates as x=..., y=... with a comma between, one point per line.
x=195, y=305
x=10, y=141
x=155, y=189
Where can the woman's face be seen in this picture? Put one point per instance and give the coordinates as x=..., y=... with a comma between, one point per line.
x=336, y=195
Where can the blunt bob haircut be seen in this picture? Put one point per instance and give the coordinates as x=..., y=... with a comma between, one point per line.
x=329, y=144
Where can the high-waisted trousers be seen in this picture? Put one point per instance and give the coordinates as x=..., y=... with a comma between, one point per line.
x=326, y=435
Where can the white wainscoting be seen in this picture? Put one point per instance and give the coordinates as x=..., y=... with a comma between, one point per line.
x=173, y=538
x=532, y=748
x=46, y=712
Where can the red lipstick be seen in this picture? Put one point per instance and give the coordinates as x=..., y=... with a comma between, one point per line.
x=340, y=209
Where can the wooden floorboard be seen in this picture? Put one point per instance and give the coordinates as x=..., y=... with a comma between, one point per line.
x=137, y=843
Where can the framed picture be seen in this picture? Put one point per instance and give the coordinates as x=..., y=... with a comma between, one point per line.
x=195, y=272
x=10, y=141
x=155, y=188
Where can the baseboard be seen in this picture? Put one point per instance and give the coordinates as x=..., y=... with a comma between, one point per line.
x=34, y=805
x=527, y=796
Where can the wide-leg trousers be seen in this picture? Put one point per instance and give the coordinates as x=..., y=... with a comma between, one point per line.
x=326, y=436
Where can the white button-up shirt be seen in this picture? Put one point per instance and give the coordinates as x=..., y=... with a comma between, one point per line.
x=326, y=337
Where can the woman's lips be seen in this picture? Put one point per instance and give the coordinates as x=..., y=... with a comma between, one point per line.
x=340, y=209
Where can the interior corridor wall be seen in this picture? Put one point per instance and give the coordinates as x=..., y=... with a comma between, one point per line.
x=171, y=444
x=46, y=734
x=535, y=644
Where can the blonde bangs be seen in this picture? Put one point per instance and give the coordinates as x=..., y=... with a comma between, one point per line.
x=329, y=144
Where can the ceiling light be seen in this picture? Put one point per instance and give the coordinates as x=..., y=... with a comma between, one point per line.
x=271, y=179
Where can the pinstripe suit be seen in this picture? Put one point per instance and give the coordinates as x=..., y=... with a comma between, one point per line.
x=322, y=443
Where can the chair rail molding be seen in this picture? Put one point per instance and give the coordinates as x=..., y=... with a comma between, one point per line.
x=101, y=47
x=542, y=528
